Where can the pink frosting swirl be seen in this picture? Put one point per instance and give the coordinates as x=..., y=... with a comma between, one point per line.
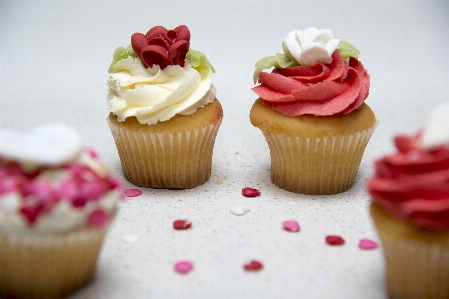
x=321, y=90
x=413, y=184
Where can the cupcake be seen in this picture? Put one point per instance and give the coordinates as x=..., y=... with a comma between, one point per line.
x=57, y=201
x=312, y=113
x=164, y=115
x=410, y=209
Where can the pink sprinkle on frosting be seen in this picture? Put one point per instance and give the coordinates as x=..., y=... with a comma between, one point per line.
x=132, y=192
x=368, y=244
x=183, y=266
x=98, y=218
x=291, y=225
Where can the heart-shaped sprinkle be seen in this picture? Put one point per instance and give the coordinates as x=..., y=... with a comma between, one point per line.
x=253, y=266
x=183, y=266
x=181, y=224
x=51, y=145
x=132, y=192
x=250, y=192
x=335, y=240
x=98, y=218
x=368, y=244
x=291, y=225
x=239, y=209
x=129, y=238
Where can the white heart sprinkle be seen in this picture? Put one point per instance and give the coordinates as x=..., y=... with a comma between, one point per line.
x=52, y=145
x=436, y=132
x=239, y=209
x=129, y=238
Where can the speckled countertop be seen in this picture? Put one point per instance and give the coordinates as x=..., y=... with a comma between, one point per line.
x=53, y=68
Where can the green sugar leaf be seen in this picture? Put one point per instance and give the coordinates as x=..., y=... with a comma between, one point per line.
x=280, y=60
x=121, y=53
x=347, y=50
x=199, y=60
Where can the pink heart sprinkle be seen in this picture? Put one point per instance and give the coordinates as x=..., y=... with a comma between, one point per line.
x=368, y=244
x=183, y=266
x=253, y=266
x=250, y=192
x=335, y=240
x=132, y=192
x=291, y=225
x=181, y=224
x=98, y=218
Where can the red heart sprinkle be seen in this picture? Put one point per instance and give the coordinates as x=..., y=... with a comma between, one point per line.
x=183, y=266
x=250, y=192
x=335, y=240
x=132, y=192
x=291, y=225
x=253, y=266
x=181, y=224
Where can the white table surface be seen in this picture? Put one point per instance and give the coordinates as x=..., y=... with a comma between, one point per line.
x=53, y=68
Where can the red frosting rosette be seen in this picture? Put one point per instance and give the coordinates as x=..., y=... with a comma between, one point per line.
x=161, y=46
x=321, y=89
x=413, y=184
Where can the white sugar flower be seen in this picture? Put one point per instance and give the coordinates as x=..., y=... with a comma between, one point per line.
x=310, y=46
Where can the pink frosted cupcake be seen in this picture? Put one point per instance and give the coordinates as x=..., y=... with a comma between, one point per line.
x=57, y=200
x=410, y=208
x=312, y=112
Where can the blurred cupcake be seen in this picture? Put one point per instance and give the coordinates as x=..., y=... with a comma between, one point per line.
x=312, y=113
x=410, y=209
x=164, y=115
x=57, y=201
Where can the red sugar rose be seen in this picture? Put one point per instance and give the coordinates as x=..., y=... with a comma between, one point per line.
x=161, y=46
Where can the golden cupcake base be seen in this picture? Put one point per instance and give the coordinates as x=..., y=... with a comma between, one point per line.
x=416, y=261
x=171, y=154
x=314, y=155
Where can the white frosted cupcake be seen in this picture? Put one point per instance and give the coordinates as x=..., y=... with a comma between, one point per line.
x=57, y=200
x=164, y=114
x=410, y=208
x=312, y=113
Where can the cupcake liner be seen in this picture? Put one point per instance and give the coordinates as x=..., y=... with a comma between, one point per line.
x=416, y=262
x=48, y=266
x=316, y=165
x=166, y=159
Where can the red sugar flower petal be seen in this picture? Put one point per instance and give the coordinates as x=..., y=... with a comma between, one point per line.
x=97, y=218
x=132, y=192
x=253, y=266
x=368, y=244
x=183, y=267
x=291, y=225
x=250, y=192
x=335, y=240
x=181, y=224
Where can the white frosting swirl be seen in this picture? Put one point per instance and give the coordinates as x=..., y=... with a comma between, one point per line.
x=153, y=94
x=310, y=46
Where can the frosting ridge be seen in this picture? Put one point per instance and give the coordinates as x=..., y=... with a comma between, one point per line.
x=413, y=183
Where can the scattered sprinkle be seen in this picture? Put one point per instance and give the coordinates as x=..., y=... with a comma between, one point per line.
x=181, y=224
x=239, y=209
x=183, y=267
x=335, y=240
x=250, y=192
x=219, y=182
x=236, y=153
x=291, y=225
x=132, y=192
x=368, y=244
x=253, y=266
x=129, y=238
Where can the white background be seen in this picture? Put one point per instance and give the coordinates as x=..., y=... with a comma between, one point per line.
x=54, y=58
